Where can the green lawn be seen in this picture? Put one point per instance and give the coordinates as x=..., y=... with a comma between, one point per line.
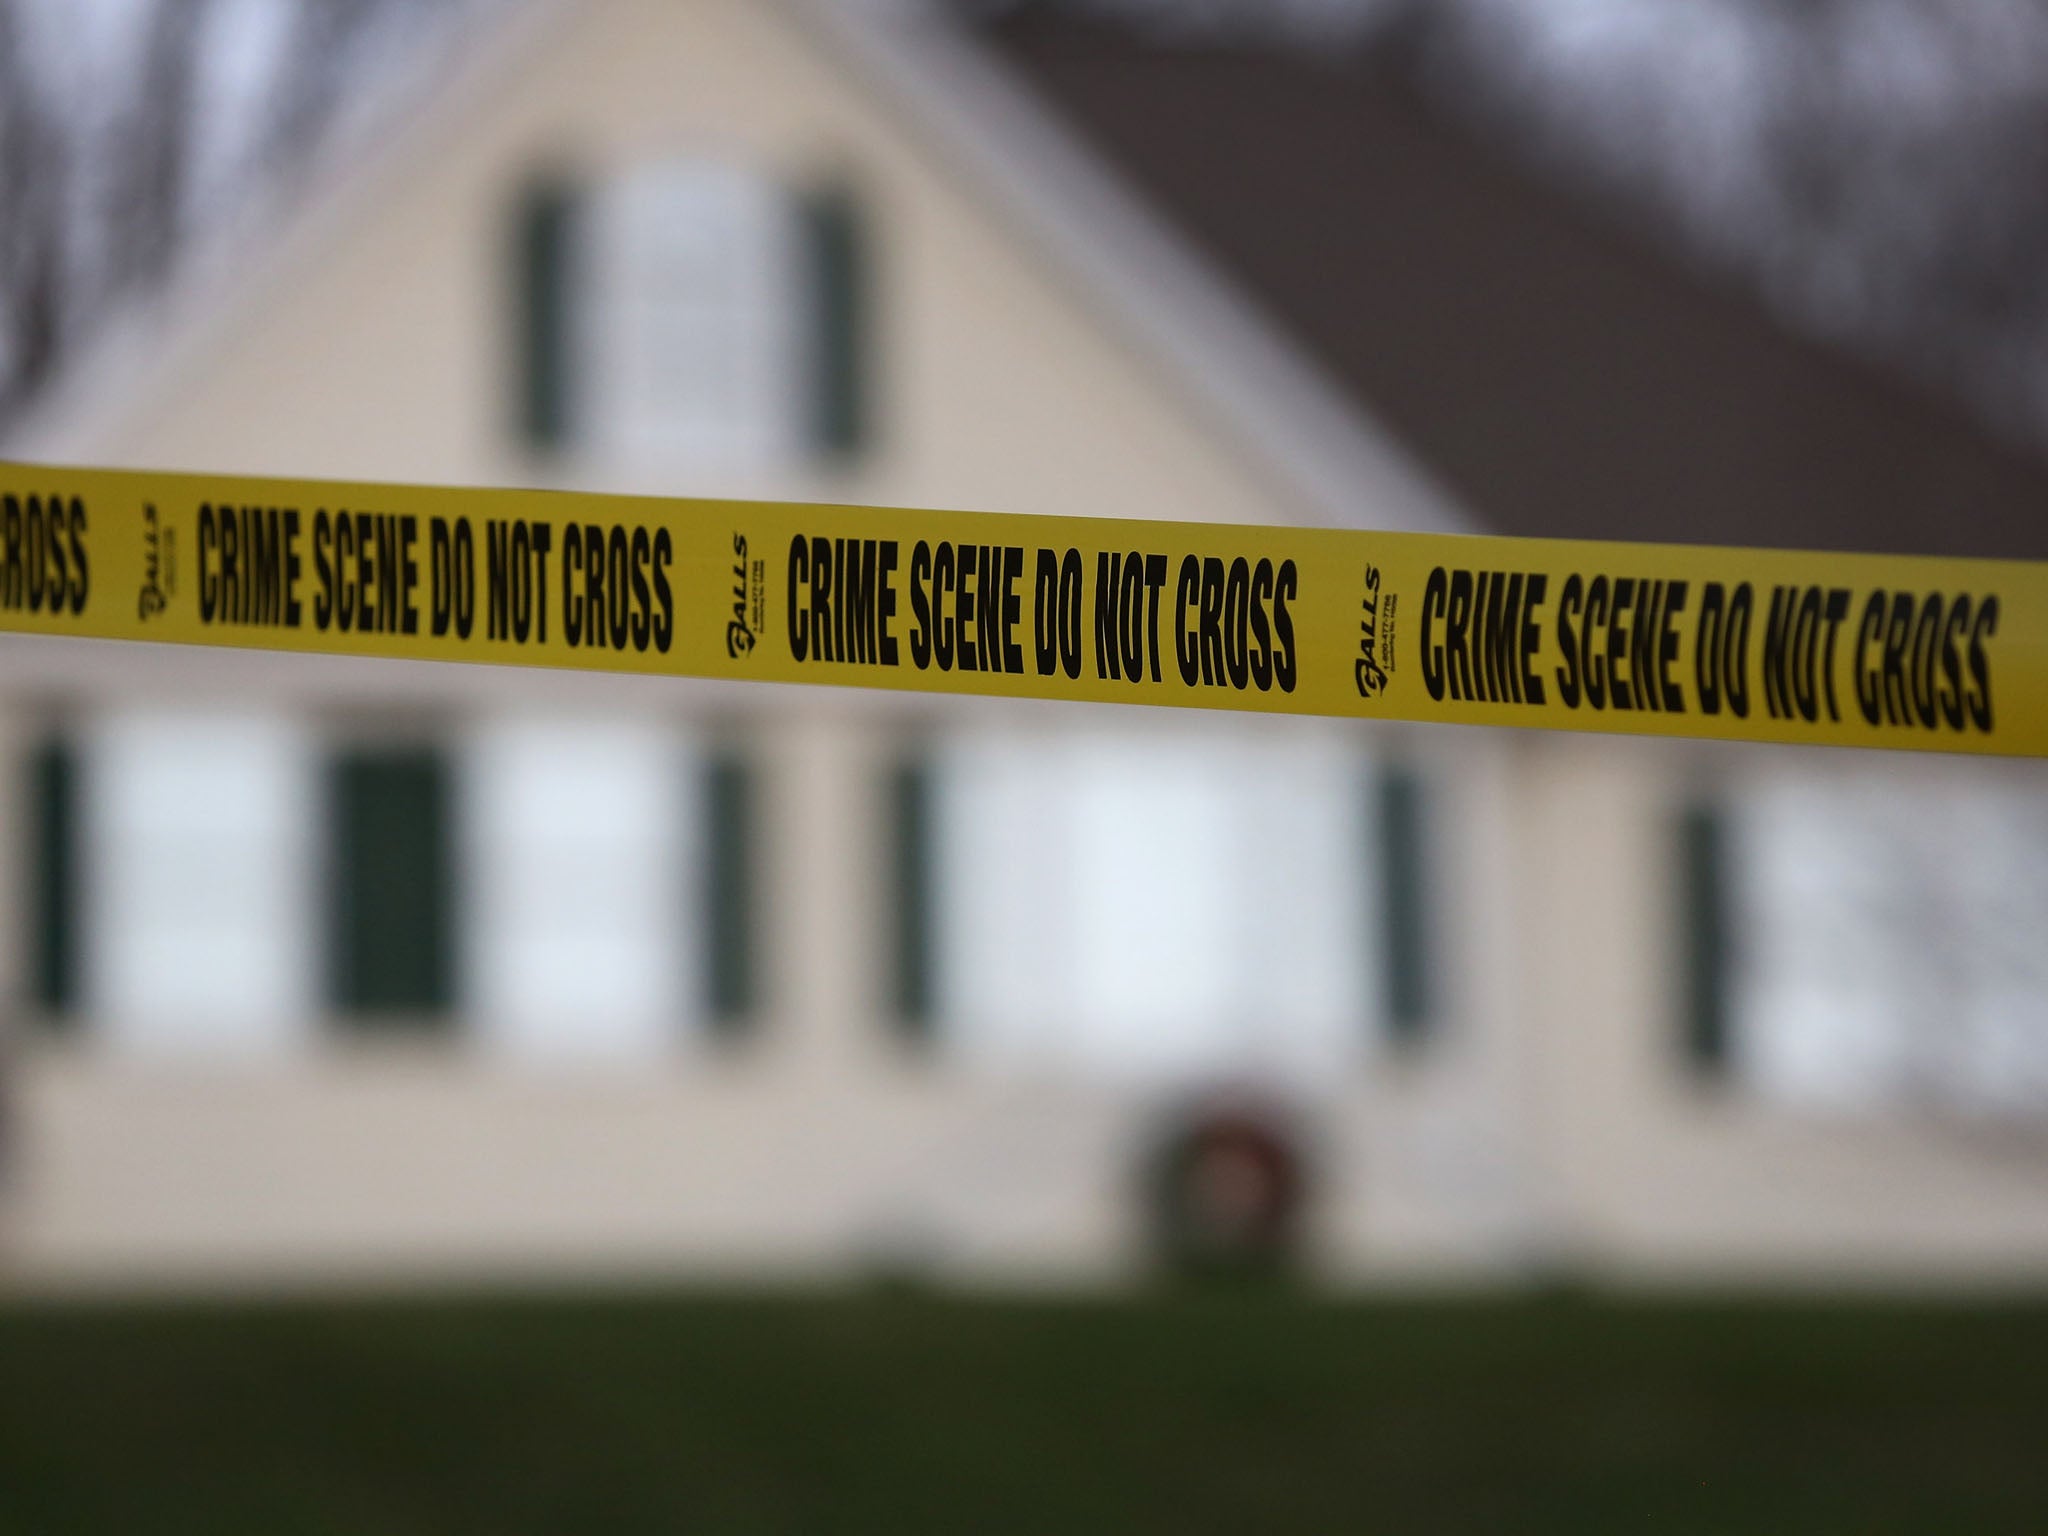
x=893, y=1414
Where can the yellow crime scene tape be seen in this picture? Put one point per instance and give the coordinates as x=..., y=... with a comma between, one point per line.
x=1662, y=640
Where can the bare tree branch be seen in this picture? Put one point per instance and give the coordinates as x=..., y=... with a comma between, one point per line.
x=154, y=151
x=311, y=80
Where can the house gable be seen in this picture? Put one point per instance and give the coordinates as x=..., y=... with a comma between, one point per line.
x=388, y=348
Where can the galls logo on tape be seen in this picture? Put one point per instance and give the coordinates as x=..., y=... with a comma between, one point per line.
x=749, y=600
x=1375, y=637
x=159, y=564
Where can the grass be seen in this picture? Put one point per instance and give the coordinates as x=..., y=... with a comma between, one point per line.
x=898, y=1414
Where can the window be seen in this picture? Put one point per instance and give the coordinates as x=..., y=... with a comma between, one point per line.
x=603, y=863
x=693, y=314
x=390, y=886
x=198, y=868
x=695, y=335
x=1153, y=906
x=1886, y=940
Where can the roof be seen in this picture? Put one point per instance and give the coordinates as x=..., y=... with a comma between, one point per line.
x=1557, y=373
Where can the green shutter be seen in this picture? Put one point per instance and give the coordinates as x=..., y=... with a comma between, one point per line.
x=54, y=884
x=543, y=258
x=1404, y=905
x=392, y=893
x=910, y=805
x=728, y=896
x=837, y=240
x=1703, y=875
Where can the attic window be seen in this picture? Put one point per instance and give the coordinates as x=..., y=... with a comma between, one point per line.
x=693, y=315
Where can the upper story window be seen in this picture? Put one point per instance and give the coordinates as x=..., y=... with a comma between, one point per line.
x=576, y=835
x=693, y=314
x=695, y=338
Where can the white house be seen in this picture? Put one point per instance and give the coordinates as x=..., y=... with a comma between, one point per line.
x=337, y=972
